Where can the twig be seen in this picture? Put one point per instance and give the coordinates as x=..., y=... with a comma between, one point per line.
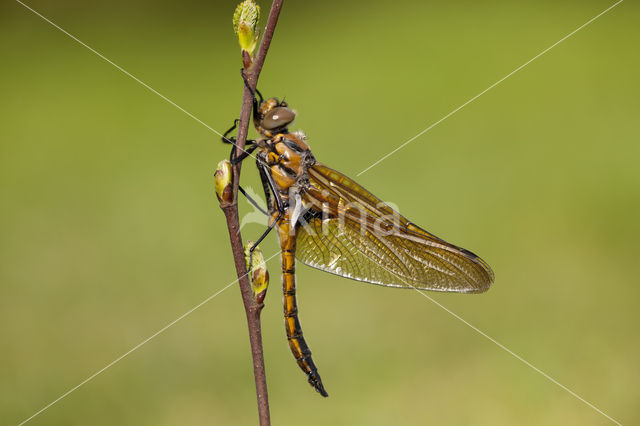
x=252, y=308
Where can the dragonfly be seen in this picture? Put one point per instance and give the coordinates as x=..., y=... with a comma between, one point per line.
x=327, y=221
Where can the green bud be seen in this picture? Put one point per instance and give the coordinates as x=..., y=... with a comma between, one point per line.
x=257, y=272
x=245, y=23
x=223, y=176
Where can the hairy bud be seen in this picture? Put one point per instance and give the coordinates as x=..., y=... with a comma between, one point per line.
x=223, y=176
x=245, y=23
x=257, y=271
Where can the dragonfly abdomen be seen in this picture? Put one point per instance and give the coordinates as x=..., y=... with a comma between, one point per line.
x=297, y=344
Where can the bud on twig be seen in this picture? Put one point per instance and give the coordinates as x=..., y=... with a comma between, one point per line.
x=257, y=271
x=223, y=176
x=245, y=22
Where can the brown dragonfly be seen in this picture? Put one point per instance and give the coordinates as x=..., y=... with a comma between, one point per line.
x=329, y=222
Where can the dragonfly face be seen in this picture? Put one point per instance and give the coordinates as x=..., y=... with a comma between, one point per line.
x=272, y=117
x=331, y=223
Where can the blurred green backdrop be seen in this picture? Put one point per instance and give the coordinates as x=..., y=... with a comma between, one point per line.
x=110, y=229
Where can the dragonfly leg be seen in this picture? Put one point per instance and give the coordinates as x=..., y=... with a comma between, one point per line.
x=232, y=140
x=253, y=94
x=245, y=153
x=264, y=235
x=252, y=201
x=269, y=186
x=265, y=186
x=279, y=206
x=225, y=137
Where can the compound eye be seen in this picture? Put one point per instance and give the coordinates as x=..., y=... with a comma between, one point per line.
x=278, y=117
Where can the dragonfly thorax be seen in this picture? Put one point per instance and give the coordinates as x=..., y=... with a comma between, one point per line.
x=288, y=157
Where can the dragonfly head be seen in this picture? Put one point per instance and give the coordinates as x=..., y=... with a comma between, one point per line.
x=273, y=117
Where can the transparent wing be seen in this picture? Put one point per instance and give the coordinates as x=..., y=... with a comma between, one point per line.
x=351, y=233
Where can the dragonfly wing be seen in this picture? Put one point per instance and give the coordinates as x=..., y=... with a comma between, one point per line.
x=364, y=239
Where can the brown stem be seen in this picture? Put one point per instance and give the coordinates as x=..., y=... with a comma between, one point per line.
x=252, y=308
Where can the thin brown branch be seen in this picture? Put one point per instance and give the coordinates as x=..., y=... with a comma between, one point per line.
x=252, y=308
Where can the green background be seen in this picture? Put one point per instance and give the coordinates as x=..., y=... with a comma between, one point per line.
x=109, y=227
